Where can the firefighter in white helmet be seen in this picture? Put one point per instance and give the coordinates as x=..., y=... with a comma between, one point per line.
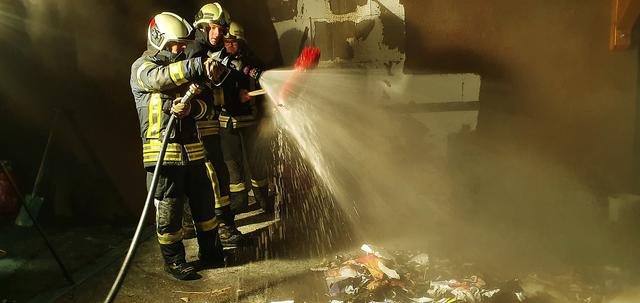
x=157, y=77
x=239, y=127
x=212, y=22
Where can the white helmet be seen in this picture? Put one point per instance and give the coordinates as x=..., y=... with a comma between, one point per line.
x=167, y=27
x=212, y=13
x=236, y=31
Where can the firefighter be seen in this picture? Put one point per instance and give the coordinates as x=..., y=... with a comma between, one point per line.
x=239, y=126
x=212, y=22
x=157, y=77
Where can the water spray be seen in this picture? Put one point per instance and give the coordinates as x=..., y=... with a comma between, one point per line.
x=308, y=59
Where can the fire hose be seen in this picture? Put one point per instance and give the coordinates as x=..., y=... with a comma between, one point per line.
x=193, y=90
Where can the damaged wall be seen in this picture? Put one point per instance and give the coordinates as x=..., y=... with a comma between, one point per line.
x=556, y=126
x=365, y=32
x=370, y=34
x=550, y=84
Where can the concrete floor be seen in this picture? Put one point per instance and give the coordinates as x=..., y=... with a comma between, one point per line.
x=262, y=272
x=146, y=282
x=28, y=268
x=253, y=278
x=248, y=278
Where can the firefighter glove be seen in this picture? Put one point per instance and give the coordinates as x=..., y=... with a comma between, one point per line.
x=214, y=69
x=244, y=96
x=180, y=109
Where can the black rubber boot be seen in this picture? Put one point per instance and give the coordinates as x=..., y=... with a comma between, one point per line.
x=239, y=201
x=211, y=254
x=226, y=215
x=230, y=236
x=174, y=262
x=182, y=271
x=265, y=201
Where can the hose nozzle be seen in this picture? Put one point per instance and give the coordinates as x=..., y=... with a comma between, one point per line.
x=193, y=90
x=233, y=66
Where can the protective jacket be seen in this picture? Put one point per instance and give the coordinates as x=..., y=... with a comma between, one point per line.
x=155, y=82
x=208, y=131
x=207, y=124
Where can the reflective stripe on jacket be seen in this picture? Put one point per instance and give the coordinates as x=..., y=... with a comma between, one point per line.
x=155, y=83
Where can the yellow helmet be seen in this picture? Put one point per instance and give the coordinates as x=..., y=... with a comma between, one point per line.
x=212, y=13
x=167, y=27
x=236, y=31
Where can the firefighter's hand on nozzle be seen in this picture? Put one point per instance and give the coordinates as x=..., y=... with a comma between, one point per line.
x=244, y=96
x=195, y=89
x=180, y=109
x=214, y=69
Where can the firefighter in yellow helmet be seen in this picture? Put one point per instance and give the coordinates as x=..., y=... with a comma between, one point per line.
x=160, y=74
x=212, y=23
x=239, y=127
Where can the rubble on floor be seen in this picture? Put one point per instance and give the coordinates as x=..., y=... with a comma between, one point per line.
x=378, y=275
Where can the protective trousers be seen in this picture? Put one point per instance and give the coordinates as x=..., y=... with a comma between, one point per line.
x=175, y=183
x=219, y=178
x=238, y=143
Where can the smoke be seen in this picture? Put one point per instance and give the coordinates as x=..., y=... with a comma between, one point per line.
x=630, y=296
x=481, y=199
x=93, y=38
x=380, y=166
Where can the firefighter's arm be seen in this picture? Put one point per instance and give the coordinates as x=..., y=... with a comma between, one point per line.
x=155, y=77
